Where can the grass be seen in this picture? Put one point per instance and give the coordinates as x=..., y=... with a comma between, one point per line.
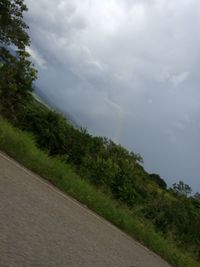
x=21, y=146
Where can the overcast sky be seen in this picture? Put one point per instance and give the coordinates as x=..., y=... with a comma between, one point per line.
x=126, y=69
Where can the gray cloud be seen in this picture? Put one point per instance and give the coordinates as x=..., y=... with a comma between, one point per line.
x=127, y=70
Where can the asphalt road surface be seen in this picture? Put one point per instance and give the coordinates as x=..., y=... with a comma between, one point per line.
x=40, y=226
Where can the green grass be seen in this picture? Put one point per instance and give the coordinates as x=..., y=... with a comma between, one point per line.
x=21, y=146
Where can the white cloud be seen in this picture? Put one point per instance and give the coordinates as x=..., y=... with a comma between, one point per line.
x=180, y=126
x=37, y=58
x=180, y=78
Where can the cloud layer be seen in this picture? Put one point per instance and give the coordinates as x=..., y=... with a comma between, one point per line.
x=127, y=69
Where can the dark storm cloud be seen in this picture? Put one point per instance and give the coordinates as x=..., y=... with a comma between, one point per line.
x=128, y=70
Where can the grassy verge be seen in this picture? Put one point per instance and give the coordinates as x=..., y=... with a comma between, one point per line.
x=21, y=146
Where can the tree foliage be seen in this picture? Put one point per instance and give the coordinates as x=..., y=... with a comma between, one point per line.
x=12, y=27
x=17, y=75
x=158, y=180
x=16, y=70
x=182, y=189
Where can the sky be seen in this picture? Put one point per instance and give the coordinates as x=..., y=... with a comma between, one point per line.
x=128, y=70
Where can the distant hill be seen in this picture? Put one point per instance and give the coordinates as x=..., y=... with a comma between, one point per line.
x=47, y=101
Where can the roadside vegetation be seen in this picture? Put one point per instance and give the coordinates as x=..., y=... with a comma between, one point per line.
x=22, y=146
x=98, y=172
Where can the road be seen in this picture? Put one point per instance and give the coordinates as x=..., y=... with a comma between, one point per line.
x=40, y=226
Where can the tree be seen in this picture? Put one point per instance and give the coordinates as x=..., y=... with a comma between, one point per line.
x=16, y=71
x=12, y=27
x=158, y=180
x=17, y=75
x=49, y=128
x=196, y=200
x=182, y=189
x=197, y=196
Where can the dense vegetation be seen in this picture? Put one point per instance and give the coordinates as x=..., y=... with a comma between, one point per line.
x=174, y=212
